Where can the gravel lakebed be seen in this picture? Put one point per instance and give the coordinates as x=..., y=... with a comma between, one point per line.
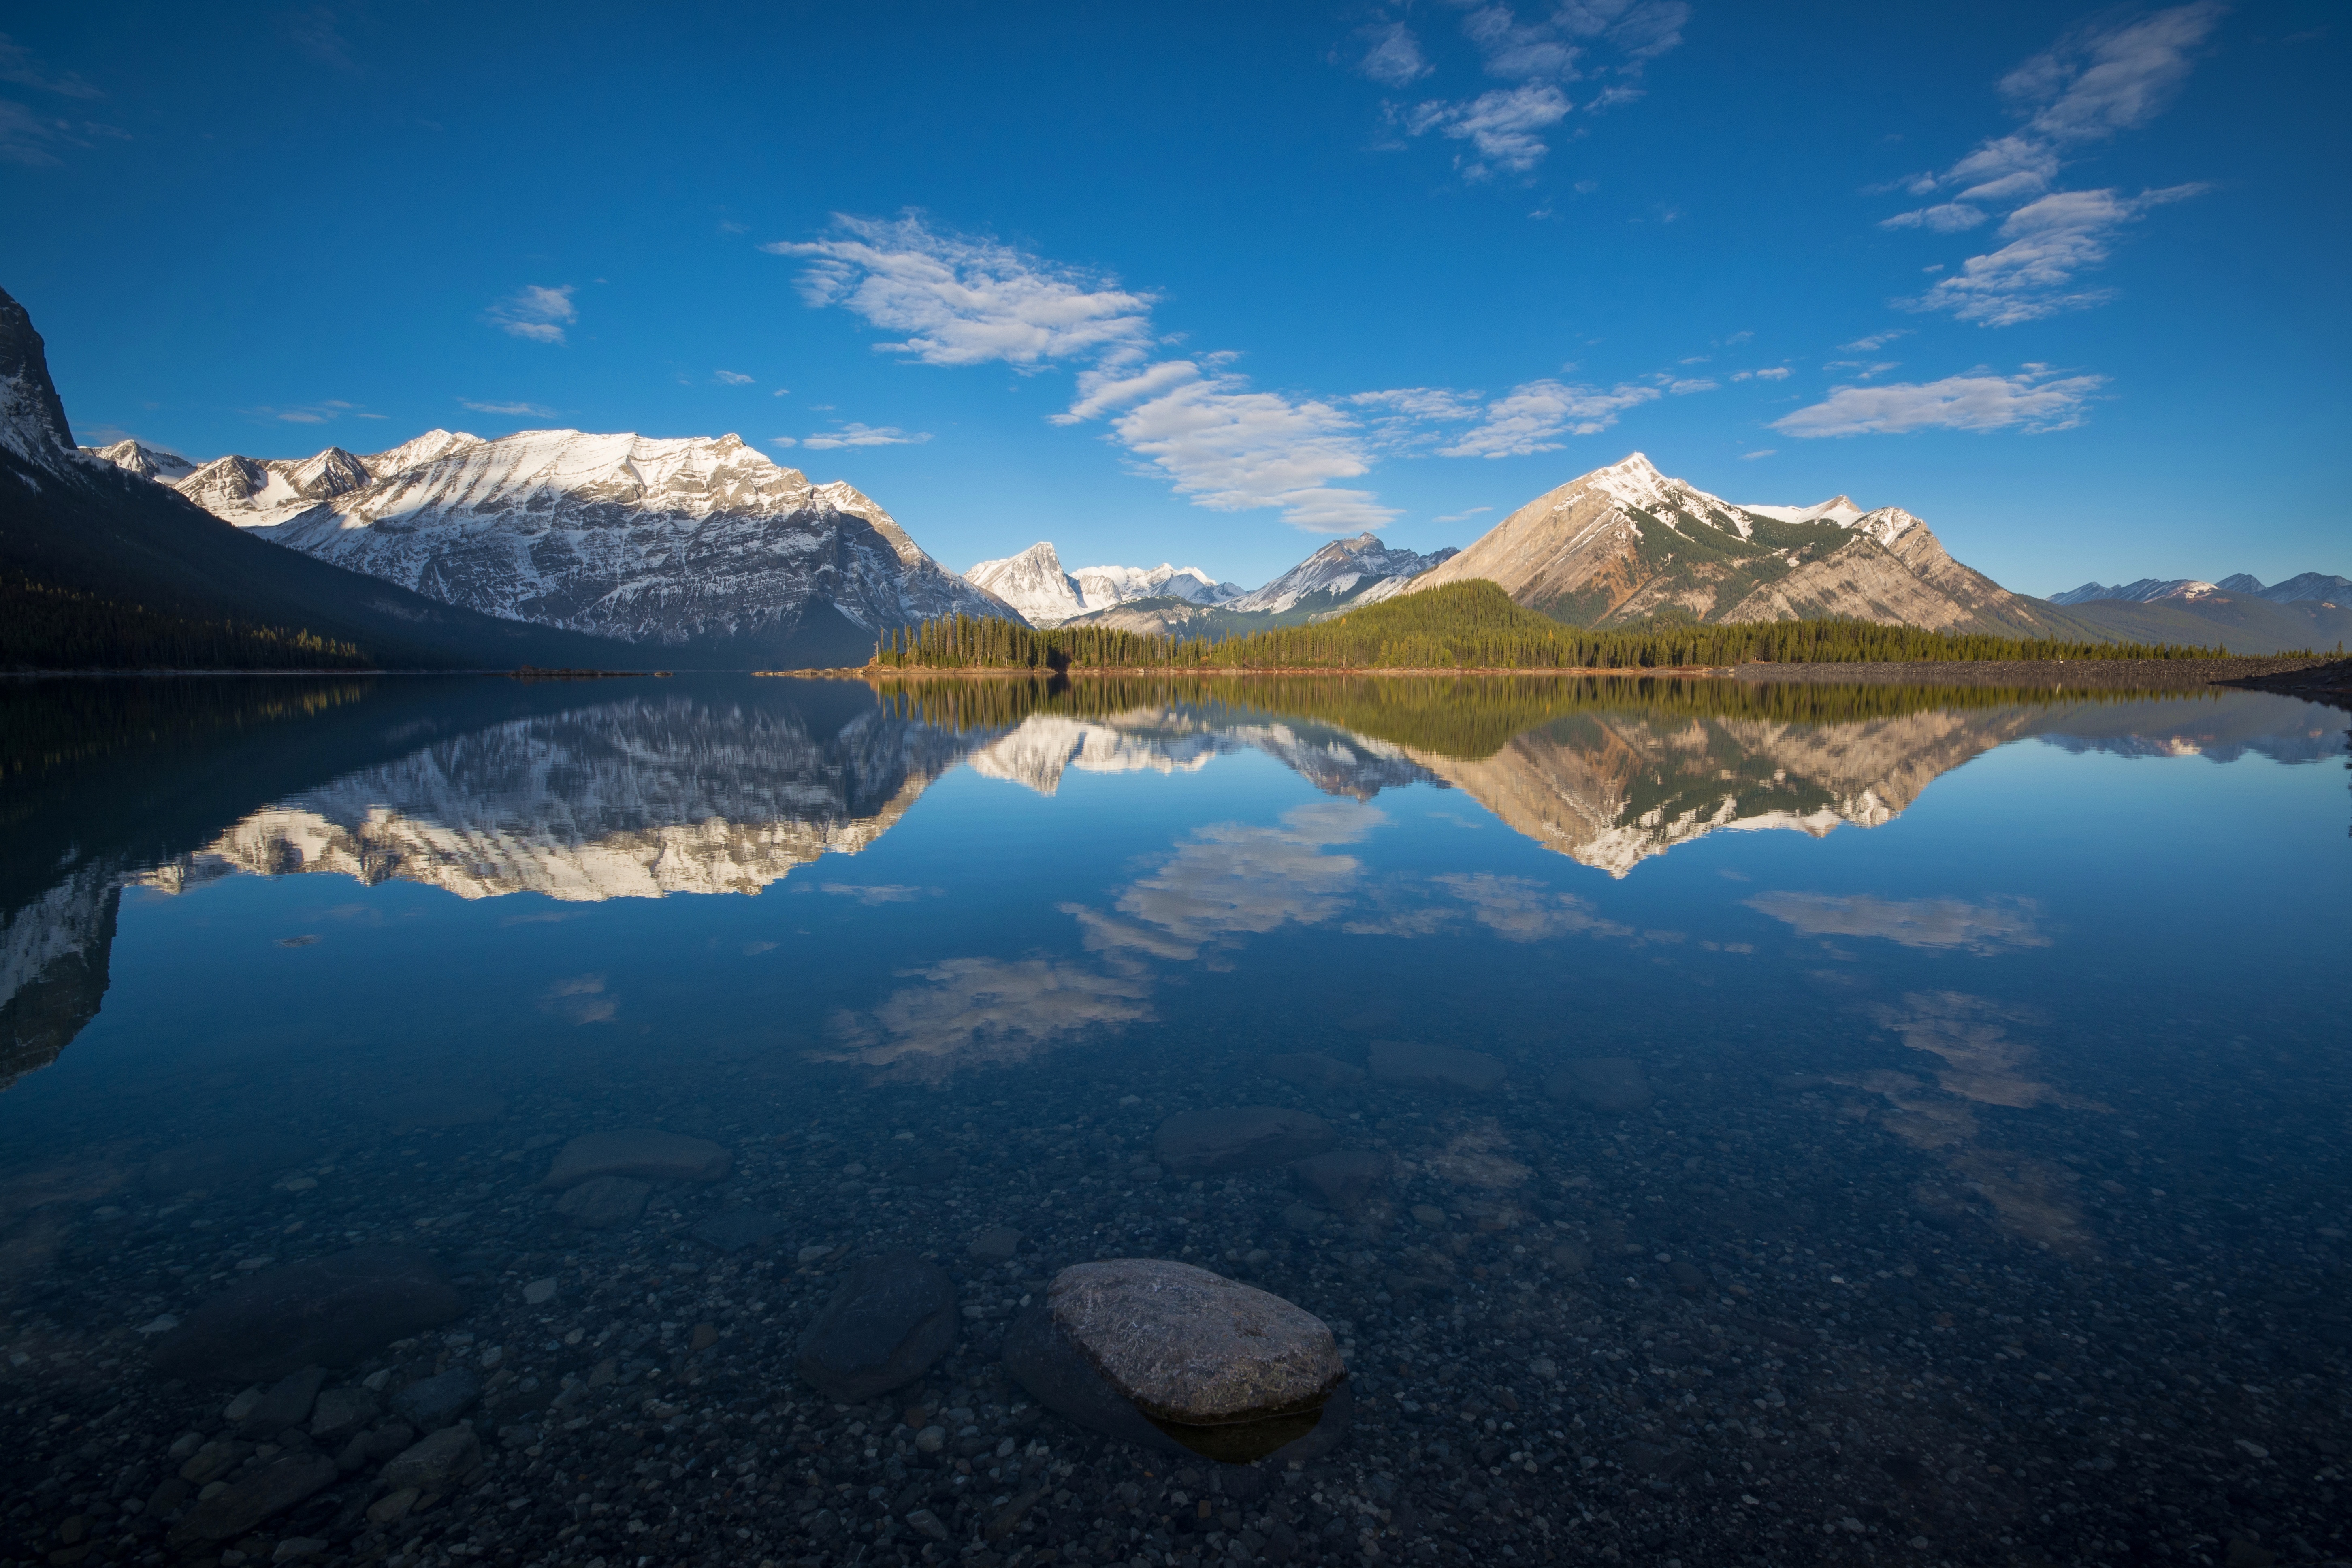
x=1695, y=1315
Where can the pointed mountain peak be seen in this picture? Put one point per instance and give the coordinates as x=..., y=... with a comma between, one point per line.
x=32, y=417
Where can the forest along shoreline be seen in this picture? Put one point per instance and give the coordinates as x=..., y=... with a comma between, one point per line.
x=2294, y=675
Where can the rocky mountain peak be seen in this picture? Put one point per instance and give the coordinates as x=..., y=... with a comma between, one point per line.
x=135, y=457
x=32, y=417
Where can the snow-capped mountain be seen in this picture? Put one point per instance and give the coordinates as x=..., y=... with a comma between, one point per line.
x=1346, y=571
x=1626, y=542
x=701, y=547
x=148, y=462
x=2147, y=591
x=1034, y=583
x=2320, y=585
x=33, y=425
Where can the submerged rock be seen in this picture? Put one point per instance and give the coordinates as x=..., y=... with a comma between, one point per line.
x=732, y=1230
x=435, y=1462
x=226, y=1162
x=639, y=1151
x=605, y=1203
x=1343, y=1179
x=328, y=1310
x=1411, y=1065
x=1604, y=1083
x=271, y=1489
x=287, y=1404
x=1313, y=1070
x=1238, y=1138
x=891, y=1319
x=1174, y=1357
x=433, y=1402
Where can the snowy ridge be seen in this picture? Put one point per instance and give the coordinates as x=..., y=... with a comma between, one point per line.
x=689, y=540
x=1358, y=570
x=134, y=457
x=1839, y=510
x=2147, y=591
x=1034, y=583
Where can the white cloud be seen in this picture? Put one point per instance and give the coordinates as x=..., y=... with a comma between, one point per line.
x=1949, y=217
x=1686, y=387
x=1392, y=55
x=1422, y=402
x=734, y=377
x=1876, y=341
x=966, y=301
x=533, y=410
x=1769, y=372
x=872, y=893
x=854, y=434
x=1462, y=516
x=2031, y=400
x=1505, y=126
x=2051, y=240
x=1760, y=452
x=35, y=140
x=1519, y=909
x=1533, y=416
x=1101, y=391
x=2103, y=79
x=538, y=314
x=1914, y=922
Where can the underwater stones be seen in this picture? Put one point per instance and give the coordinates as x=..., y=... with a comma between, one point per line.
x=1313, y=1070
x=327, y=1311
x=892, y=1317
x=342, y=1411
x=443, y=1106
x=286, y=1404
x=1605, y=1083
x=1174, y=1357
x=432, y=1464
x=997, y=1246
x=1238, y=1138
x=732, y=1230
x=1342, y=1179
x=605, y=1203
x=640, y=1151
x=273, y=1489
x=1408, y=1065
x=434, y=1402
x=214, y=1162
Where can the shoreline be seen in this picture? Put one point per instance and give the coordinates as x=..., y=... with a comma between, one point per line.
x=2284, y=675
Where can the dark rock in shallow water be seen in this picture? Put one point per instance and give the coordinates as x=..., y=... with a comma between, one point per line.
x=328, y=1310
x=732, y=1230
x=433, y=1402
x=605, y=1203
x=1239, y=1137
x=1411, y=1066
x=1342, y=1180
x=891, y=1319
x=1604, y=1083
x=1172, y=1357
x=1313, y=1070
x=435, y=1462
x=638, y=1152
x=271, y=1489
x=287, y=1404
x=342, y=1411
x=226, y=1162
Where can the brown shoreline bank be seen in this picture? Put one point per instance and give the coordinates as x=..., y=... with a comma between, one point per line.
x=2321, y=679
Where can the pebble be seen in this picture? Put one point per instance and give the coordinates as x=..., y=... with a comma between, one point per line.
x=287, y=1404
x=736, y=1229
x=891, y=1319
x=539, y=1292
x=341, y=1411
x=1409, y=1065
x=997, y=1246
x=329, y=1310
x=434, y=1402
x=1202, y=1142
x=640, y=1151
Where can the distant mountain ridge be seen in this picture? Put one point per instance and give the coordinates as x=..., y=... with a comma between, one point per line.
x=2310, y=611
x=1626, y=542
x=1035, y=584
x=702, y=550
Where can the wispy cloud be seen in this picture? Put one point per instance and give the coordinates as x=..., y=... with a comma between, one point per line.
x=1986, y=927
x=530, y=410
x=1769, y=372
x=21, y=68
x=37, y=139
x=1462, y=516
x=1608, y=41
x=1533, y=416
x=325, y=413
x=855, y=435
x=2035, y=399
x=1876, y=341
x=2109, y=77
x=965, y=300
x=535, y=312
x=732, y=378
x=1760, y=452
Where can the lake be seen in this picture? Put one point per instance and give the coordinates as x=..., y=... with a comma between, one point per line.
x=1794, y=1122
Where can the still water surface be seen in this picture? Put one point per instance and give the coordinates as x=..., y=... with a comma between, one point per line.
x=1967, y=1184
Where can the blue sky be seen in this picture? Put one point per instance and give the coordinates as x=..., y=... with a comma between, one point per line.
x=1209, y=283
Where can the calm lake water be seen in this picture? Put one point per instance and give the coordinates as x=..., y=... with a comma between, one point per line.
x=1963, y=1181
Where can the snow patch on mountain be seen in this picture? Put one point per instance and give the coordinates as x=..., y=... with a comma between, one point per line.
x=1352, y=572
x=2147, y=591
x=134, y=457
x=1034, y=583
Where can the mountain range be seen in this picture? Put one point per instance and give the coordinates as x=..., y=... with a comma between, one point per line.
x=1035, y=584
x=2313, y=610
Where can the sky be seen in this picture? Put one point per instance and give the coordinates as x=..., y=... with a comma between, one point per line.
x=1212, y=284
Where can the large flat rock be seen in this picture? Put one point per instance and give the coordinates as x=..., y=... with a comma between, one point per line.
x=1238, y=1138
x=326, y=1311
x=1222, y=1369
x=641, y=1152
x=892, y=1317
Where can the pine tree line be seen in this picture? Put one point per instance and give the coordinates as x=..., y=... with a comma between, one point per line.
x=1467, y=626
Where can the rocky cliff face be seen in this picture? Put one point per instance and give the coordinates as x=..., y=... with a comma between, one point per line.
x=32, y=418
x=1625, y=542
x=1035, y=584
x=1343, y=574
x=701, y=550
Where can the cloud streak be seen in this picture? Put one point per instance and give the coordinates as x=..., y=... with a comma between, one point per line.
x=535, y=313
x=2034, y=400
